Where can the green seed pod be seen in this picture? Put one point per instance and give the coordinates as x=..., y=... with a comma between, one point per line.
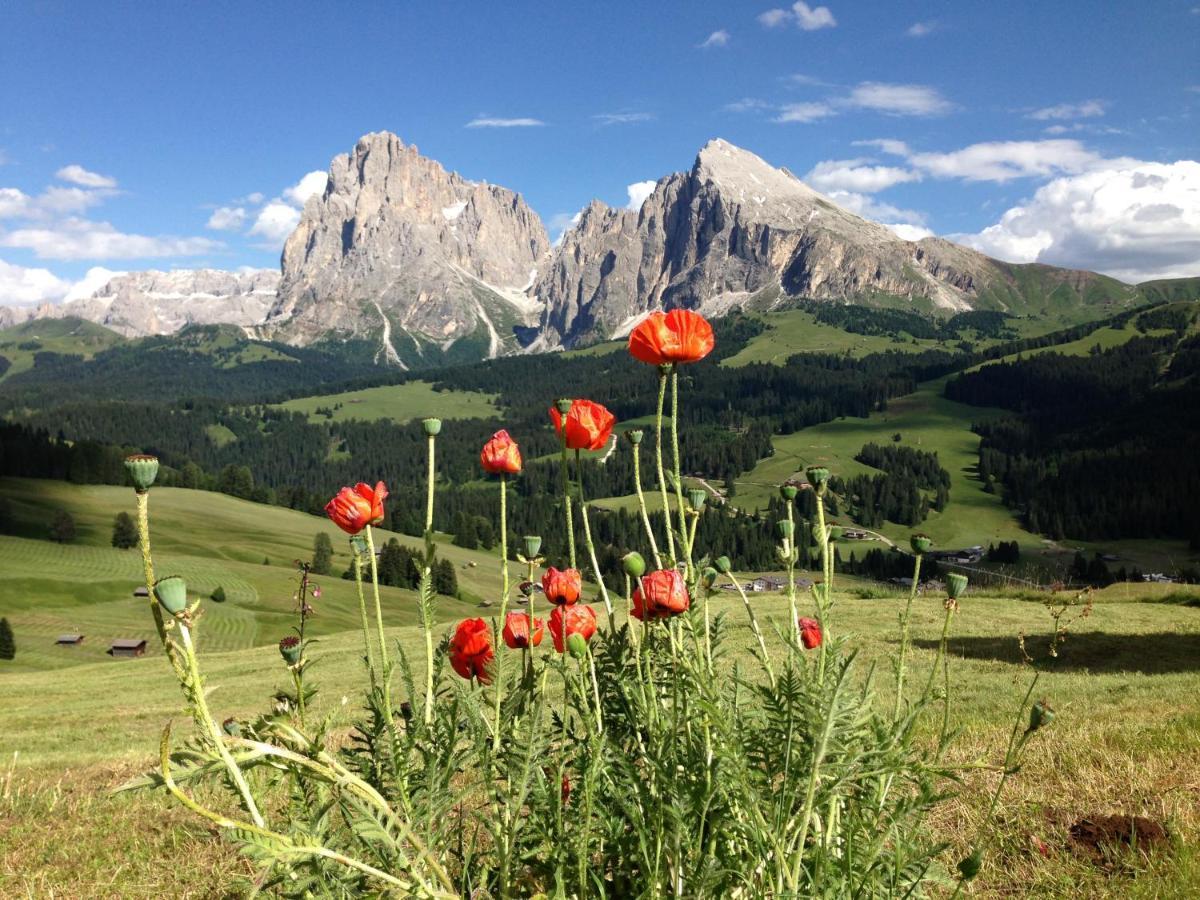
x=433, y=427
x=634, y=564
x=232, y=727
x=290, y=649
x=1040, y=714
x=956, y=585
x=709, y=576
x=784, y=527
x=723, y=564
x=818, y=477
x=788, y=491
x=921, y=543
x=171, y=593
x=696, y=498
x=564, y=405
x=533, y=545
x=969, y=866
x=142, y=469
x=577, y=645
x=634, y=437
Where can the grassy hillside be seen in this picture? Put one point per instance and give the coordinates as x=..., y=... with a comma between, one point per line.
x=70, y=336
x=212, y=540
x=400, y=403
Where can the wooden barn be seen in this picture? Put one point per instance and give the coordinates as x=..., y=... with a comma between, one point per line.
x=128, y=647
x=69, y=640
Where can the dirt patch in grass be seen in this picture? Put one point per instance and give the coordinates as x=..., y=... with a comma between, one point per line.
x=1100, y=838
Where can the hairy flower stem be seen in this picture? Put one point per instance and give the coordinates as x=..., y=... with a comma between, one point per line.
x=595, y=691
x=362, y=613
x=503, y=603
x=683, y=529
x=826, y=587
x=904, y=636
x=427, y=579
x=762, y=644
x=384, y=662
x=143, y=521
x=566, y=493
x=789, y=544
x=637, y=484
x=658, y=456
x=587, y=536
x=942, y=662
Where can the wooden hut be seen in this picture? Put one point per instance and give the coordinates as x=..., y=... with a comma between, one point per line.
x=128, y=647
x=69, y=640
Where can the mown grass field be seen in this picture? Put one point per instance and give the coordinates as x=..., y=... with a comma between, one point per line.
x=400, y=403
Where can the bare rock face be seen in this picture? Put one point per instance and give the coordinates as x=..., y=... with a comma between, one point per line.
x=138, y=304
x=397, y=242
x=733, y=229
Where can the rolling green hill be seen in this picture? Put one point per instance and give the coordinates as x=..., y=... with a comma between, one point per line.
x=71, y=336
x=400, y=403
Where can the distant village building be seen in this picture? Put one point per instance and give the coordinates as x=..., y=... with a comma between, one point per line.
x=128, y=647
x=969, y=556
x=142, y=591
x=69, y=640
x=853, y=534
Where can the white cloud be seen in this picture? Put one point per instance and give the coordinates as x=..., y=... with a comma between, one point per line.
x=54, y=201
x=909, y=232
x=275, y=222
x=1133, y=220
x=920, y=29
x=76, y=238
x=96, y=278
x=899, y=99
x=310, y=184
x=886, y=145
x=801, y=14
x=870, y=208
x=804, y=112
x=746, y=104
x=622, y=118
x=492, y=122
x=76, y=174
x=1085, y=110
x=717, y=39
x=857, y=175
x=560, y=222
x=1005, y=160
x=14, y=203
x=638, y=192
x=227, y=218
x=21, y=286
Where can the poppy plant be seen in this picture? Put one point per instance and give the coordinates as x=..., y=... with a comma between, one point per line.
x=354, y=508
x=562, y=587
x=679, y=336
x=501, y=455
x=587, y=426
x=471, y=650
x=568, y=621
x=660, y=595
x=810, y=632
x=520, y=633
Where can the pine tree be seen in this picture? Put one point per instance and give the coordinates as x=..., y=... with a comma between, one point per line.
x=322, y=555
x=218, y=594
x=8, y=645
x=62, y=528
x=124, y=535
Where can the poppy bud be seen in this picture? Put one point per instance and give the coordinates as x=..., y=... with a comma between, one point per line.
x=1040, y=714
x=533, y=544
x=171, y=593
x=788, y=491
x=142, y=469
x=564, y=404
x=785, y=528
x=969, y=866
x=634, y=437
x=433, y=427
x=921, y=543
x=956, y=584
x=818, y=477
x=723, y=565
x=290, y=649
x=232, y=727
x=810, y=633
x=634, y=564
x=696, y=498
x=709, y=576
x=577, y=645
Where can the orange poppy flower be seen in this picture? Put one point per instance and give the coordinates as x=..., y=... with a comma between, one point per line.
x=354, y=508
x=810, y=632
x=501, y=455
x=680, y=336
x=471, y=650
x=660, y=595
x=566, y=621
x=518, y=632
x=562, y=587
x=588, y=425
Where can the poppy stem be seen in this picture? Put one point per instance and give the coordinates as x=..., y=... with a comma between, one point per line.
x=637, y=483
x=683, y=529
x=587, y=536
x=826, y=577
x=362, y=612
x=384, y=663
x=904, y=636
x=762, y=644
x=658, y=453
x=503, y=603
x=790, y=545
x=566, y=492
x=143, y=524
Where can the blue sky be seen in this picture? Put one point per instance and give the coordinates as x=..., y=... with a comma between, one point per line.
x=139, y=135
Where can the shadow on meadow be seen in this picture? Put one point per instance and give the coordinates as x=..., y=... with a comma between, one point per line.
x=1099, y=652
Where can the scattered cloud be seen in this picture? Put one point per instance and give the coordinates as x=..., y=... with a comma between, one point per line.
x=885, y=145
x=227, y=218
x=638, y=192
x=53, y=201
x=871, y=208
x=804, y=112
x=1005, y=160
x=909, y=232
x=1085, y=110
x=807, y=81
x=801, y=15
x=275, y=222
x=1133, y=220
x=899, y=99
x=560, y=222
x=718, y=38
x=77, y=238
x=76, y=174
x=747, y=104
x=857, y=175
x=96, y=278
x=493, y=122
x=921, y=29
x=310, y=184
x=622, y=118
x=22, y=286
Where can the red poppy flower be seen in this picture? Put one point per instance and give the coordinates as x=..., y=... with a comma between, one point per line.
x=568, y=620
x=588, y=425
x=565, y=790
x=810, y=632
x=353, y=509
x=562, y=587
x=471, y=650
x=680, y=336
x=660, y=595
x=517, y=631
x=501, y=455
